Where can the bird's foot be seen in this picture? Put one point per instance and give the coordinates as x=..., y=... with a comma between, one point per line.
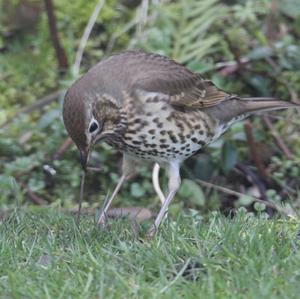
x=151, y=232
x=102, y=220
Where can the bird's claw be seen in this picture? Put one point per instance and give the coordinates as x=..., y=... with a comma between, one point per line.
x=102, y=221
x=151, y=232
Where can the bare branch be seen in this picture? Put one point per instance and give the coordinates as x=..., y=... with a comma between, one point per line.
x=82, y=183
x=253, y=149
x=85, y=36
x=67, y=143
x=254, y=198
x=39, y=104
x=277, y=137
x=60, y=53
x=33, y=197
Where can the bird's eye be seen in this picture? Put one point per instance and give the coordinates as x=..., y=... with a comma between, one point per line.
x=93, y=127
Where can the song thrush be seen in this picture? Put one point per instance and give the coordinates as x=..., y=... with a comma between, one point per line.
x=150, y=107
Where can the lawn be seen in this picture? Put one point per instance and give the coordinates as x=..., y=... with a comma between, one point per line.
x=45, y=255
x=246, y=47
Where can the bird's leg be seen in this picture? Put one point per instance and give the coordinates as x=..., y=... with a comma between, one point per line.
x=155, y=181
x=128, y=168
x=102, y=217
x=174, y=184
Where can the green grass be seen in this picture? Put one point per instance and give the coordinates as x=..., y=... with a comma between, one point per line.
x=44, y=255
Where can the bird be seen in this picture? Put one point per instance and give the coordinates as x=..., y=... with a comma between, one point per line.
x=150, y=107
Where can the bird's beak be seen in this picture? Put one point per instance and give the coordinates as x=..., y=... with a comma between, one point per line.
x=84, y=157
x=85, y=152
x=102, y=136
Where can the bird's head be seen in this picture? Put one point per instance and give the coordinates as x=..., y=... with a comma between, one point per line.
x=88, y=118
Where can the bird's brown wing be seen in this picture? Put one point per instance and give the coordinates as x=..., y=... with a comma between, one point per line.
x=152, y=73
x=202, y=95
x=183, y=88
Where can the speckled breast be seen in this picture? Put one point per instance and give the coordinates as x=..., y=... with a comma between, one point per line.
x=161, y=133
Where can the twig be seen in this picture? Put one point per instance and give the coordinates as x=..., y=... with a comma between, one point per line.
x=255, y=180
x=238, y=194
x=60, y=53
x=239, y=61
x=116, y=35
x=39, y=104
x=253, y=149
x=93, y=169
x=67, y=143
x=60, y=151
x=229, y=67
x=143, y=16
x=252, y=178
x=271, y=24
x=81, y=197
x=138, y=213
x=85, y=36
x=234, y=51
x=277, y=137
x=33, y=197
x=231, y=63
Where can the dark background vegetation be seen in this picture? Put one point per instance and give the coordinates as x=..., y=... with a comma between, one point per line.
x=247, y=47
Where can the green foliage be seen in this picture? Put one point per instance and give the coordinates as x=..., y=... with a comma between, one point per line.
x=228, y=156
x=192, y=192
x=201, y=34
x=182, y=30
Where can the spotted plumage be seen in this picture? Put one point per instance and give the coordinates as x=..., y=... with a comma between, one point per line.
x=143, y=132
x=150, y=107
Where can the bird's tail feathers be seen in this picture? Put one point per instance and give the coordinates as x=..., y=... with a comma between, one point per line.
x=239, y=108
x=254, y=105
